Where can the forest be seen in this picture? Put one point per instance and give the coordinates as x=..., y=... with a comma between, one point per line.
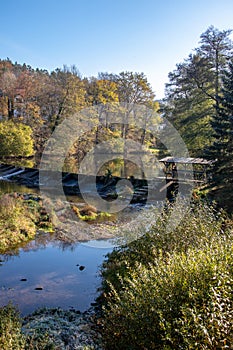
x=165, y=290
x=198, y=102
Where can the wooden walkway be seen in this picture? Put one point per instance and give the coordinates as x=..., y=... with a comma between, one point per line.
x=186, y=170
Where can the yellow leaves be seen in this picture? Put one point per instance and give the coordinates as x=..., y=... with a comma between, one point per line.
x=102, y=92
x=16, y=225
x=15, y=139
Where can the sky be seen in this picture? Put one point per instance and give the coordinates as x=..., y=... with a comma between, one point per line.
x=149, y=36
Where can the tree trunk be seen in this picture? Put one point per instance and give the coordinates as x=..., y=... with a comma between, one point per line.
x=10, y=104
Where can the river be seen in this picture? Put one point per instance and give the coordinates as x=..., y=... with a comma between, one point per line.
x=50, y=273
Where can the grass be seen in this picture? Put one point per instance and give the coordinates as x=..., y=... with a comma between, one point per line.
x=16, y=222
x=167, y=290
x=172, y=290
x=12, y=337
x=19, y=220
x=90, y=214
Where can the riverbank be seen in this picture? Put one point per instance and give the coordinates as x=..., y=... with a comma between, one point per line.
x=50, y=329
x=21, y=217
x=175, y=284
x=172, y=289
x=64, y=329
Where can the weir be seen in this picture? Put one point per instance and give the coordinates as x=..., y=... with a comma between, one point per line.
x=105, y=185
x=190, y=172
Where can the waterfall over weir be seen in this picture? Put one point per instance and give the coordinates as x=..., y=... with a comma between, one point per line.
x=143, y=190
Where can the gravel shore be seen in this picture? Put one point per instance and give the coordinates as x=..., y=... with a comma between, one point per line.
x=65, y=329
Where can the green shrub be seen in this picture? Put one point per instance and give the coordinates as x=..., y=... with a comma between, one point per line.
x=200, y=225
x=172, y=290
x=11, y=337
x=20, y=219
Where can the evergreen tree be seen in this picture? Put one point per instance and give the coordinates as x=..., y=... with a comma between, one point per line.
x=194, y=87
x=216, y=47
x=222, y=147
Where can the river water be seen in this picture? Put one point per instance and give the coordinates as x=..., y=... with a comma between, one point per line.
x=50, y=273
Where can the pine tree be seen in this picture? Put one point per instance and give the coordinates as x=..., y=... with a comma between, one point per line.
x=222, y=148
x=194, y=87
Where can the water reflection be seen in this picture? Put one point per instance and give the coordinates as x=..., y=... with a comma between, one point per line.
x=52, y=274
x=10, y=187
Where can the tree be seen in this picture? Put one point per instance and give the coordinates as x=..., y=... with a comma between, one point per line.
x=194, y=88
x=8, y=86
x=42, y=100
x=222, y=147
x=15, y=140
x=134, y=88
x=68, y=93
x=217, y=49
x=102, y=91
x=27, y=109
x=186, y=106
x=19, y=90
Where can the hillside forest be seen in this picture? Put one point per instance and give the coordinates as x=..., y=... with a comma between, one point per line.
x=167, y=289
x=198, y=102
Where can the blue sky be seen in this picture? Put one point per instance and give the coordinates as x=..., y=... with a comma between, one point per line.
x=149, y=36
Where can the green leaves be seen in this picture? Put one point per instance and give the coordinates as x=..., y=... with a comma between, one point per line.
x=172, y=290
x=194, y=89
x=11, y=337
x=222, y=147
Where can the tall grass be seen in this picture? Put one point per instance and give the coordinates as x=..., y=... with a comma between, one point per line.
x=20, y=219
x=11, y=337
x=16, y=222
x=172, y=290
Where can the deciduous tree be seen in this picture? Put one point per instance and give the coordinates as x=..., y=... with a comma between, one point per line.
x=15, y=140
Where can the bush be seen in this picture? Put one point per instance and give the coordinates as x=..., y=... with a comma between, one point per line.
x=200, y=225
x=20, y=219
x=172, y=290
x=15, y=140
x=16, y=222
x=11, y=337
